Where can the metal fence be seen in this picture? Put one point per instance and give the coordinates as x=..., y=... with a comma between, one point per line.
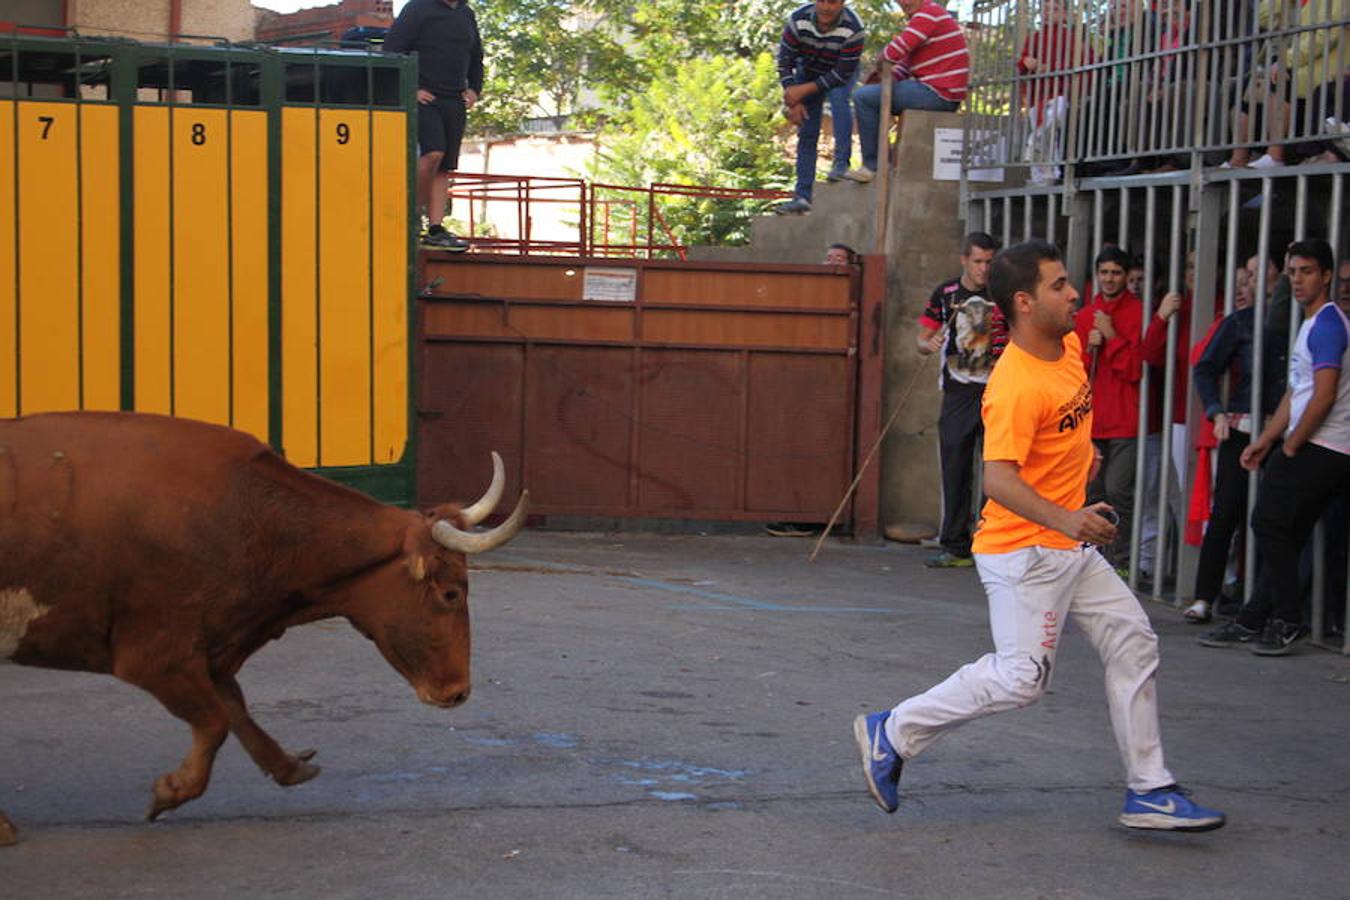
x=1107, y=85
x=1131, y=126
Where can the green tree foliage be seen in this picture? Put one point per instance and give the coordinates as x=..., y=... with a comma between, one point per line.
x=678, y=92
x=711, y=121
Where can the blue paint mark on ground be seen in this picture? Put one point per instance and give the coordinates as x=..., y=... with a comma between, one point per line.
x=489, y=742
x=727, y=601
x=556, y=739
x=744, y=602
x=669, y=795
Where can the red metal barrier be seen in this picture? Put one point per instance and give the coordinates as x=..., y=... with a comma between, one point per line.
x=597, y=217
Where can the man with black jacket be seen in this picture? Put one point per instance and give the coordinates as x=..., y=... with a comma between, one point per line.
x=444, y=34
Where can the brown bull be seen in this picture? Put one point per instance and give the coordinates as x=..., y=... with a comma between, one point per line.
x=166, y=552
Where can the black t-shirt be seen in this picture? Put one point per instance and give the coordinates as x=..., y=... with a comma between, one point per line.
x=449, y=50
x=974, y=330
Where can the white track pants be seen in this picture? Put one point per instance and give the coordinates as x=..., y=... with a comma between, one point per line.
x=1031, y=592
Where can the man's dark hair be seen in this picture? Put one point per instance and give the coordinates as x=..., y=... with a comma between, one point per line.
x=1112, y=254
x=980, y=239
x=848, y=251
x=1018, y=268
x=1314, y=249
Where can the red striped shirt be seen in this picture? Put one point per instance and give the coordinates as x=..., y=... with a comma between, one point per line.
x=932, y=49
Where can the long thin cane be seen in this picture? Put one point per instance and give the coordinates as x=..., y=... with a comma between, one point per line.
x=899, y=405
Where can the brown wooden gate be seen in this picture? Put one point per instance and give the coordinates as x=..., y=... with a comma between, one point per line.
x=647, y=388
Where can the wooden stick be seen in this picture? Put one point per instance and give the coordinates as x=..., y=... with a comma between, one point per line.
x=899, y=405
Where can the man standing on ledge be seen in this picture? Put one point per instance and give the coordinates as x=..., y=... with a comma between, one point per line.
x=969, y=332
x=1033, y=552
x=449, y=81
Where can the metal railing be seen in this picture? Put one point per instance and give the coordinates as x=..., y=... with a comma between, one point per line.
x=1117, y=84
x=533, y=214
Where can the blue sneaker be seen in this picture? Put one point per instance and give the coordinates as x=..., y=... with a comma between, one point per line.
x=881, y=764
x=1169, y=808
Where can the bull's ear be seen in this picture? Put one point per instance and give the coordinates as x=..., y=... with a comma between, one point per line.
x=417, y=566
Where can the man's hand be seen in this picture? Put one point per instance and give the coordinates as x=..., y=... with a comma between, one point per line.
x=1030, y=64
x=1103, y=323
x=1255, y=452
x=796, y=93
x=1095, y=338
x=1095, y=469
x=1089, y=525
x=470, y=97
x=424, y=96
x=795, y=114
x=1222, y=428
x=1170, y=303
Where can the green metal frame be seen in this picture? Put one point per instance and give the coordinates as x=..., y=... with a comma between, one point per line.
x=395, y=482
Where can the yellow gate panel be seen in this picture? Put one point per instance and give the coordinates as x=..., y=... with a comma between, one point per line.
x=48, y=179
x=249, y=181
x=9, y=347
x=154, y=383
x=344, y=285
x=201, y=273
x=299, y=331
x=101, y=246
x=389, y=276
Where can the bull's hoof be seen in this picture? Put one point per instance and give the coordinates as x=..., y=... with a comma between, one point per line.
x=299, y=771
x=168, y=794
x=8, y=833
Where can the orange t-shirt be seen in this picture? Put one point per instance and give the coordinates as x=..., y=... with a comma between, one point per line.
x=1037, y=414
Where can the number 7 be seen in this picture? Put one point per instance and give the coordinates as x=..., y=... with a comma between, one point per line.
x=46, y=124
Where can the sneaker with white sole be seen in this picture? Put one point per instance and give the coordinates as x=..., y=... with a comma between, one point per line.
x=862, y=175
x=1265, y=161
x=1198, y=612
x=837, y=172
x=1168, y=808
x=881, y=764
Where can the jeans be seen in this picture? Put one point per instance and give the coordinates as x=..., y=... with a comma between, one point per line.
x=1115, y=485
x=908, y=94
x=841, y=116
x=808, y=137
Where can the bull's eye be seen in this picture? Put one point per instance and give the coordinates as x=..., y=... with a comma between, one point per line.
x=451, y=595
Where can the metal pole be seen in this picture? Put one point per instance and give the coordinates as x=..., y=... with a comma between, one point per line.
x=1258, y=367
x=1176, y=259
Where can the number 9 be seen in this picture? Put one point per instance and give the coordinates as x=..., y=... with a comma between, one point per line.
x=344, y=134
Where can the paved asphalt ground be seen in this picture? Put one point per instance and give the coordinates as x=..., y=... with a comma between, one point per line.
x=670, y=716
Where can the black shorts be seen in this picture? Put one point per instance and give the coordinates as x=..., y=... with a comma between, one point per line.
x=440, y=129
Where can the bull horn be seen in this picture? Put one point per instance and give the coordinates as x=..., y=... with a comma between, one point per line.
x=477, y=512
x=451, y=538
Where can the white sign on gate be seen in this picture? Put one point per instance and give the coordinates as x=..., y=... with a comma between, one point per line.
x=613, y=285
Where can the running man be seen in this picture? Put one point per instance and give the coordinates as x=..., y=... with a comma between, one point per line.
x=1033, y=554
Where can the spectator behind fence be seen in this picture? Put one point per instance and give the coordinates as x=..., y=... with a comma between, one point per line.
x=1108, y=331
x=968, y=330
x=1230, y=350
x=1054, y=47
x=817, y=55
x=1343, y=285
x=930, y=64
x=1306, y=472
x=449, y=82
x=1311, y=72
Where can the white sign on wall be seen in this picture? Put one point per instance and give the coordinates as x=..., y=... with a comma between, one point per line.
x=947, y=157
x=614, y=285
